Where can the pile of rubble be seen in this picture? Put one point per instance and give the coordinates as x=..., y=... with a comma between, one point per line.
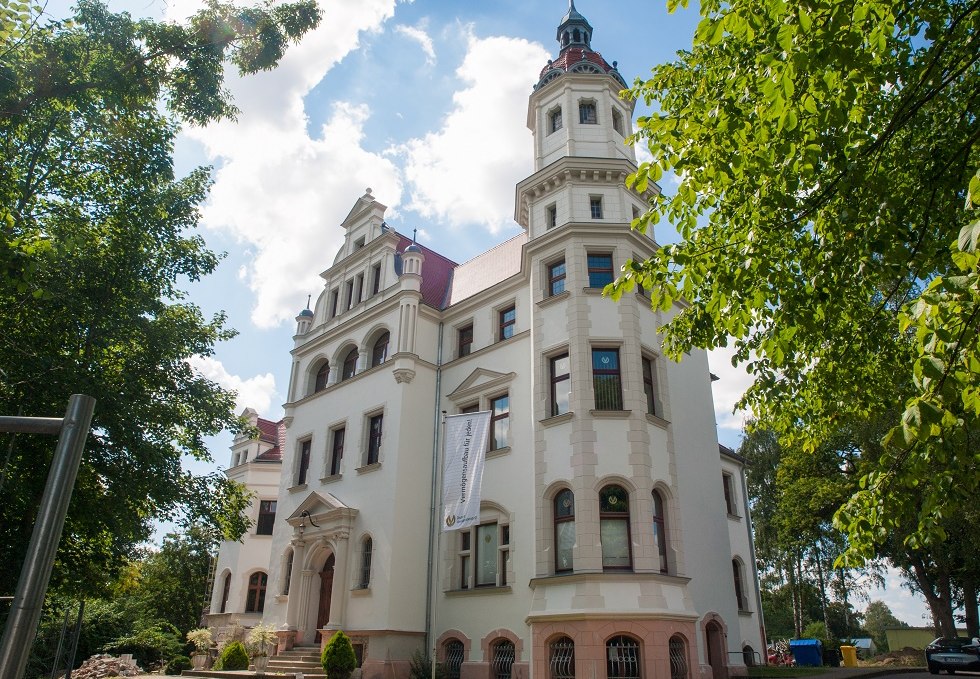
x=907, y=657
x=99, y=666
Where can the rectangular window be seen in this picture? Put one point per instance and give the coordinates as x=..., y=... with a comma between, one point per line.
x=600, y=270
x=304, y=462
x=374, y=439
x=358, y=288
x=551, y=216
x=556, y=278
x=334, y=295
x=561, y=384
x=267, y=517
x=554, y=120
x=586, y=113
x=486, y=555
x=349, y=295
x=595, y=207
x=728, y=484
x=606, y=379
x=617, y=119
x=508, y=318
x=650, y=385
x=500, y=422
x=464, y=341
x=483, y=554
x=376, y=279
x=337, y=450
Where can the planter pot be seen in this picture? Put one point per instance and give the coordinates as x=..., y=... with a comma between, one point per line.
x=261, y=663
x=199, y=660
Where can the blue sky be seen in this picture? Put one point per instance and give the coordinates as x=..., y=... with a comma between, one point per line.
x=425, y=102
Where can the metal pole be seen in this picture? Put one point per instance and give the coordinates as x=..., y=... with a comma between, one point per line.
x=18, y=637
x=74, y=642
x=56, y=665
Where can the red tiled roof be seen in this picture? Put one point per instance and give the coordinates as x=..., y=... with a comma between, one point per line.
x=573, y=56
x=436, y=273
x=271, y=432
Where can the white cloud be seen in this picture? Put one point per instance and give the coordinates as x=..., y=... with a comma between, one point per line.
x=418, y=35
x=729, y=388
x=906, y=606
x=255, y=392
x=465, y=172
x=281, y=190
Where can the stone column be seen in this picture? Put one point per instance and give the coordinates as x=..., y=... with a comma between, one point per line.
x=338, y=595
x=295, y=584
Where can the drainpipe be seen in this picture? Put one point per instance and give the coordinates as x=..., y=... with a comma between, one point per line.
x=429, y=640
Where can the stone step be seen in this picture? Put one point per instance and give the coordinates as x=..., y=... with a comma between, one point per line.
x=300, y=665
x=306, y=657
x=232, y=675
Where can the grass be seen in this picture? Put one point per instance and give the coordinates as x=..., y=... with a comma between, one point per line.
x=772, y=672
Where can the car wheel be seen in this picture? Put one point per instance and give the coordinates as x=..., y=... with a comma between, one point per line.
x=933, y=669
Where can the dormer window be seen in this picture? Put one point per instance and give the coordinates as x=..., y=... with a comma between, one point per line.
x=587, y=114
x=554, y=120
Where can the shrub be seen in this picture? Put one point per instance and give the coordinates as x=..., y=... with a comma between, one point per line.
x=233, y=657
x=338, y=658
x=201, y=638
x=178, y=664
x=420, y=667
x=149, y=645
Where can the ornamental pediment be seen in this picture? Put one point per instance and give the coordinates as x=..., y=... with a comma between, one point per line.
x=320, y=507
x=479, y=381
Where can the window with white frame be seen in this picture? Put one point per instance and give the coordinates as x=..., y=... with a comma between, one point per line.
x=554, y=119
x=483, y=555
x=595, y=207
x=551, y=216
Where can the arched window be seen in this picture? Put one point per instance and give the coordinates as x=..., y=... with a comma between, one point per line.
x=288, y=573
x=453, y=663
x=739, y=589
x=225, y=589
x=322, y=375
x=350, y=365
x=622, y=658
x=660, y=529
x=561, y=662
x=501, y=659
x=380, y=352
x=564, y=530
x=366, y=550
x=614, y=528
x=255, y=601
x=678, y=658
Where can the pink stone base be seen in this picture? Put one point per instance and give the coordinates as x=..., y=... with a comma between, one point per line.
x=287, y=639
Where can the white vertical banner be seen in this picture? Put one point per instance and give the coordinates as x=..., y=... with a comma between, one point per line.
x=463, y=459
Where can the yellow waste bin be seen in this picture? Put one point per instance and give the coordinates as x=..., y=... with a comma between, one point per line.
x=850, y=654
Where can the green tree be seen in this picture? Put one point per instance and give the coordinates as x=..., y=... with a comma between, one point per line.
x=827, y=161
x=97, y=243
x=877, y=618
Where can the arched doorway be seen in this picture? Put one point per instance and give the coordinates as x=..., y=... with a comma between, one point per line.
x=326, y=588
x=715, y=641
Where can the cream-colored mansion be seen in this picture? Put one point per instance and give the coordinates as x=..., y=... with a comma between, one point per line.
x=614, y=539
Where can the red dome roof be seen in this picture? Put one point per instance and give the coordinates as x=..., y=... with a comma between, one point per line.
x=578, y=59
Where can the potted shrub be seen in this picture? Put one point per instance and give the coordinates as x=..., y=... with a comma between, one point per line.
x=338, y=657
x=259, y=640
x=202, y=641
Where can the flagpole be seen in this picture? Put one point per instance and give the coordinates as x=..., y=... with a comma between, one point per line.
x=438, y=556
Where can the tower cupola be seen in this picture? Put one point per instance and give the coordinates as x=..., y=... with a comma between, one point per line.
x=574, y=29
x=575, y=51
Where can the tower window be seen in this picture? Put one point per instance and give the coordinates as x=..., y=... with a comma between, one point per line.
x=551, y=216
x=600, y=270
x=267, y=517
x=595, y=207
x=554, y=120
x=556, y=278
x=561, y=384
x=606, y=379
x=564, y=530
x=587, y=114
x=617, y=120
x=614, y=528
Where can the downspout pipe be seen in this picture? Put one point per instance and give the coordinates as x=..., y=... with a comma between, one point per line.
x=755, y=568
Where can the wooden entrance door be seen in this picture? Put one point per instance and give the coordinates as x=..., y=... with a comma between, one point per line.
x=716, y=650
x=326, y=588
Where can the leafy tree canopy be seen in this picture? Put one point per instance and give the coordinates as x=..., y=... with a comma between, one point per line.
x=828, y=179
x=97, y=243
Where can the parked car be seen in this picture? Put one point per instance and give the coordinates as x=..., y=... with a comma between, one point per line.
x=951, y=654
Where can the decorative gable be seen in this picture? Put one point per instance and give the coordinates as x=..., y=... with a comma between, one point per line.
x=479, y=381
x=324, y=509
